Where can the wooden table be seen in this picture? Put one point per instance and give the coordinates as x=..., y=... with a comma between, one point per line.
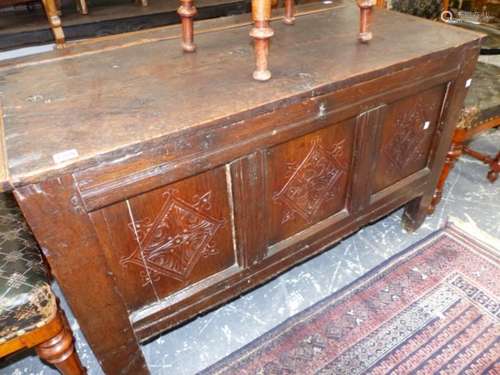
x=161, y=184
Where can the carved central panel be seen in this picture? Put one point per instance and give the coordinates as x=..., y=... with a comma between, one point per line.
x=311, y=181
x=408, y=137
x=173, y=242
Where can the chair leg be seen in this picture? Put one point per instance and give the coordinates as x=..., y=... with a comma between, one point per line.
x=494, y=163
x=81, y=6
x=60, y=350
x=261, y=32
x=452, y=156
x=54, y=21
x=494, y=169
x=289, y=18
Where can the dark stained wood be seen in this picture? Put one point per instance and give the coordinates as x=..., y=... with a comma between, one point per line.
x=307, y=179
x=192, y=183
x=406, y=135
x=100, y=310
x=158, y=67
x=247, y=186
x=416, y=210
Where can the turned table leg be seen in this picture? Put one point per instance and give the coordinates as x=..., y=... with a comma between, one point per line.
x=365, y=8
x=187, y=11
x=60, y=350
x=289, y=18
x=261, y=32
x=54, y=21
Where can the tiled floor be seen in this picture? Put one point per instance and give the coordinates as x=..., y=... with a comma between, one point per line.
x=194, y=346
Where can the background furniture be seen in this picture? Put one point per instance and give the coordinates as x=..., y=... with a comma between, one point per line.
x=163, y=206
x=51, y=11
x=422, y=8
x=481, y=112
x=29, y=315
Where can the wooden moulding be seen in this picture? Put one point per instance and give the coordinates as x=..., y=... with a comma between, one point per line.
x=365, y=7
x=187, y=11
x=261, y=32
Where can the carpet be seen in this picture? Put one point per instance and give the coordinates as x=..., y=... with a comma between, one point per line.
x=432, y=309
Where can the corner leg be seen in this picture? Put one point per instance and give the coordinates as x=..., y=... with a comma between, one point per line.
x=452, y=156
x=261, y=32
x=60, y=350
x=415, y=213
x=187, y=11
x=289, y=18
x=54, y=21
x=365, y=8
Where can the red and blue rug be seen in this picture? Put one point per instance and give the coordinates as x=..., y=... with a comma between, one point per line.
x=432, y=309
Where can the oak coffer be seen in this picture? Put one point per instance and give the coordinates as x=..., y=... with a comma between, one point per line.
x=161, y=184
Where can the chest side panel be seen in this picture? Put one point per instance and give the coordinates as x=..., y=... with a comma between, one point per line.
x=406, y=136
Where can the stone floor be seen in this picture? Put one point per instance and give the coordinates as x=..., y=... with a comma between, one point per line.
x=468, y=197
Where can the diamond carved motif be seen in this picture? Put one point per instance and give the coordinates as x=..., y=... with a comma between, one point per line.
x=409, y=135
x=312, y=182
x=172, y=243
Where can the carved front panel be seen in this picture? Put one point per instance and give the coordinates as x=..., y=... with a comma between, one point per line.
x=407, y=133
x=165, y=240
x=307, y=179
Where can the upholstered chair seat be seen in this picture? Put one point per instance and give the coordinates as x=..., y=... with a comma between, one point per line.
x=29, y=314
x=26, y=300
x=483, y=98
x=421, y=8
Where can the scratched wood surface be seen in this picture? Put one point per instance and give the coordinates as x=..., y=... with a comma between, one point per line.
x=94, y=105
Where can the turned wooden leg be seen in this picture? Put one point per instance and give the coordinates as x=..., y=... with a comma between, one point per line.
x=261, y=32
x=494, y=169
x=493, y=163
x=81, y=6
x=451, y=158
x=54, y=21
x=289, y=18
x=60, y=350
x=187, y=11
x=365, y=8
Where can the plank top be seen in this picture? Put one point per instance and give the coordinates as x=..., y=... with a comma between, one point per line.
x=64, y=109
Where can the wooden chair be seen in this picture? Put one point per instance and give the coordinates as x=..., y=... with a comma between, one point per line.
x=262, y=31
x=481, y=112
x=81, y=5
x=51, y=11
x=29, y=313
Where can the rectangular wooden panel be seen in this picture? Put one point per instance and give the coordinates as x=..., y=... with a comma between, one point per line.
x=165, y=240
x=307, y=179
x=407, y=133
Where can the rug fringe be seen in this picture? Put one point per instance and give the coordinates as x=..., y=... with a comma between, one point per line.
x=470, y=228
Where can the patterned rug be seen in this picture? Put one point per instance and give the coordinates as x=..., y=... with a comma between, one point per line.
x=432, y=309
